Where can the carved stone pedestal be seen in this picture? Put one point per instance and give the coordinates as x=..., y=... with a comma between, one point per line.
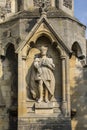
x=44, y=108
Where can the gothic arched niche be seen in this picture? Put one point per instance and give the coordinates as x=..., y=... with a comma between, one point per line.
x=12, y=57
x=10, y=77
x=55, y=55
x=10, y=71
x=77, y=49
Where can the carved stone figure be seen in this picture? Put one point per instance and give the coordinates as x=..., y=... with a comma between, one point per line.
x=42, y=77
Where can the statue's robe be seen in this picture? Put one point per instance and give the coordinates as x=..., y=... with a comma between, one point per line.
x=43, y=72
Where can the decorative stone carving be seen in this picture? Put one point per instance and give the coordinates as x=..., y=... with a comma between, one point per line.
x=42, y=77
x=67, y=3
x=39, y=3
x=5, y=9
x=8, y=6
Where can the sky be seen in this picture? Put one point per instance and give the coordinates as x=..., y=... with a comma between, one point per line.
x=80, y=11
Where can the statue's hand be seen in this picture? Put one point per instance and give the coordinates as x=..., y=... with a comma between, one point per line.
x=44, y=62
x=33, y=94
x=37, y=63
x=36, y=66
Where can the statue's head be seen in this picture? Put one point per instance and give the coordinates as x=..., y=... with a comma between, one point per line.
x=43, y=50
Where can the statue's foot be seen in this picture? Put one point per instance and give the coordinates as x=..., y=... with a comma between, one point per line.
x=40, y=100
x=46, y=100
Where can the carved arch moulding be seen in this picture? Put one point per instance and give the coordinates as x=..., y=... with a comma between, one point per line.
x=6, y=45
x=79, y=52
x=32, y=42
x=55, y=51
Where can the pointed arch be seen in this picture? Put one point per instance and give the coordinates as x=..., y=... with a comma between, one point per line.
x=76, y=49
x=45, y=34
x=5, y=48
x=10, y=50
x=10, y=71
x=47, y=39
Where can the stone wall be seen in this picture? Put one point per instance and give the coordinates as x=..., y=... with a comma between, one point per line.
x=67, y=6
x=78, y=84
x=4, y=119
x=16, y=31
x=70, y=31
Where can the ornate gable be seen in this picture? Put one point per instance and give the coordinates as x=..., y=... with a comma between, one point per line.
x=43, y=28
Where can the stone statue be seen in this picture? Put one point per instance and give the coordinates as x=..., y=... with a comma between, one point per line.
x=42, y=77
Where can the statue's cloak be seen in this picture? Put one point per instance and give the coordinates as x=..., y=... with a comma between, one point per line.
x=48, y=80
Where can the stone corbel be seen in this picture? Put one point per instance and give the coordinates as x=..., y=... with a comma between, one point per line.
x=25, y=52
x=24, y=57
x=29, y=47
x=82, y=60
x=2, y=53
x=59, y=48
x=80, y=57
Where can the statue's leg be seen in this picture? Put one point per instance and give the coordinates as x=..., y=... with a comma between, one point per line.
x=40, y=88
x=46, y=95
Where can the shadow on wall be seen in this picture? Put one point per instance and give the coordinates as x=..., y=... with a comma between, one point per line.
x=59, y=123
x=79, y=99
x=8, y=90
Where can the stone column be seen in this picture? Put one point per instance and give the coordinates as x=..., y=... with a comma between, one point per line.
x=64, y=103
x=1, y=72
x=24, y=84
x=14, y=6
x=68, y=87
x=53, y=3
x=21, y=86
x=20, y=93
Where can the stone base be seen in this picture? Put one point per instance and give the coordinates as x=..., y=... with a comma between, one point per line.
x=47, y=124
x=44, y=108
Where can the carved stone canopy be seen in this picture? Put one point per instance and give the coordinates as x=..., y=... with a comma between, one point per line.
x=43, y=27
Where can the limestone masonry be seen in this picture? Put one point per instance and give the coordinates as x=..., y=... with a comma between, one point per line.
x=43, y=66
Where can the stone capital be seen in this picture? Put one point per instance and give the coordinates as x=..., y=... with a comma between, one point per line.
x=63, y=57
x=24, y=57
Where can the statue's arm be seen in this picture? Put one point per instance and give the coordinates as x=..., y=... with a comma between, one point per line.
x=36, y=63
x=53, y=65
x=49, y=63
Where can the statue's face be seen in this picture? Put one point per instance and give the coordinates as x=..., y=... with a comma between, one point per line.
x=43, y=50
